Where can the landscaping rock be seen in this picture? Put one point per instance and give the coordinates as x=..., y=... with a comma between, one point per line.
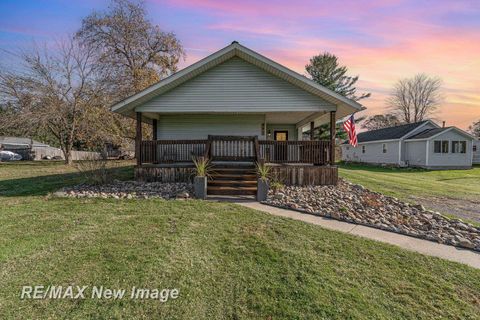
x=355, y=203
x=129, y=190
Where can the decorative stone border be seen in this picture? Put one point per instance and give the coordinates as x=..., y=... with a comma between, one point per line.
x=129, y=190
x=355, y=204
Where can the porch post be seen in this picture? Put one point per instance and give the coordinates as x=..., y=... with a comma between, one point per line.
x=332, y=137
x=138, y=139
x=312, y=127
x=154, y=129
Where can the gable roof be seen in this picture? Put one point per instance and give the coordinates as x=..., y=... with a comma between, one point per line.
x=427, y=133
x=19, y=141
x=128, y=105
x=430, y=133
x=390, y=133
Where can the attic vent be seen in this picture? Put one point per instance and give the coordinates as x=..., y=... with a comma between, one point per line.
x=234, y=41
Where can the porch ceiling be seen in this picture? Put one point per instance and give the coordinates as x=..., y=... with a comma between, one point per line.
x=297, y=118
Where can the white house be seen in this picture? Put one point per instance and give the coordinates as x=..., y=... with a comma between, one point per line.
x=233, y=106
x=422, y=144
x=476, y=151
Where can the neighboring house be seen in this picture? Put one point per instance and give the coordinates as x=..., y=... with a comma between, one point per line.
x=476, y=151
x=422, y=144
x=29, y=149
x=235, y=105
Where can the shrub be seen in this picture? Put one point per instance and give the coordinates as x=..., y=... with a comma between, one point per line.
x=94, y=170
x=263, y=171
x=202, y=166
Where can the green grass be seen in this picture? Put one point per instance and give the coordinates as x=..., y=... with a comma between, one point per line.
x=402, y=182
x=228, y=262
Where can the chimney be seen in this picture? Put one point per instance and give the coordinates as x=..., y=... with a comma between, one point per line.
x=443, y=124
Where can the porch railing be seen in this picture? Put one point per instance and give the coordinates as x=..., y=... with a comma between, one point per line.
x=170, y=151
x=315, y=152
x=236, y=149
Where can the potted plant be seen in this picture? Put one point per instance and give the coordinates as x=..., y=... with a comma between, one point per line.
x=202, y=168
x=263, y=180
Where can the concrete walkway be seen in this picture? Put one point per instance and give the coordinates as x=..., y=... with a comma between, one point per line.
x=426, y=247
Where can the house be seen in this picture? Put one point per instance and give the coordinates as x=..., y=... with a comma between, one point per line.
x=28, y=148
x=421, y=144
x=235, y=107
x=476, y=151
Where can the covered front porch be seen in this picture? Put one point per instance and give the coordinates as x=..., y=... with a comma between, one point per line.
x=281, y=142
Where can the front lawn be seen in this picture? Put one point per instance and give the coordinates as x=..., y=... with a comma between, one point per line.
x=453, y=192
x=227, y=261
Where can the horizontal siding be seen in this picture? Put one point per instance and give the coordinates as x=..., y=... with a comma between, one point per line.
x=450, y=159
x=476, y=154
x=201, y=125
x=373, y=153
x=235, y=86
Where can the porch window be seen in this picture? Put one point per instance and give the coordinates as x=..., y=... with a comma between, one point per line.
x=459, y=146
x=384, y=148
x=440, y=146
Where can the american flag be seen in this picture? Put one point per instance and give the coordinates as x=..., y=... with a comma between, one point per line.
x=349, y=127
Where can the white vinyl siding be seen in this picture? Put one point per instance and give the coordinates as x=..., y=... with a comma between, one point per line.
x=476, y=151
x=373, y=153
x=449, y=158
x=235, y=86
x=199, y=126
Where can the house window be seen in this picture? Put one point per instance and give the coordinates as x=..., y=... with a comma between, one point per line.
x=440, y=146
x=437, y=146
x=384, y=148
x=459, y=146
x=445, y=146
x=474, y=148
x=363, y=149
x=348, y=148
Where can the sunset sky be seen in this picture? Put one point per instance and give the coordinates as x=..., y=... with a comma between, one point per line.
x=380, y=40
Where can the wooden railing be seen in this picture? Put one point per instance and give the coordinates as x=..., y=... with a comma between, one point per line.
x=316, y=152
x=235, y=149
x=169, y=151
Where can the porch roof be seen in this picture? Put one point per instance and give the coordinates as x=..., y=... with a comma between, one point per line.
x=343, y=106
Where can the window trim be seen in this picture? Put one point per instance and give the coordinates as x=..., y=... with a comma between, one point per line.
x=462, y=149
x=443, y=144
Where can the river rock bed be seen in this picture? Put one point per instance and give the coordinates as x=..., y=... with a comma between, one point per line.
x=354, y=203
x=129, y=190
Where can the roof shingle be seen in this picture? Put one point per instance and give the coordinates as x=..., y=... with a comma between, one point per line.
x=388, y=133
x=427, y=133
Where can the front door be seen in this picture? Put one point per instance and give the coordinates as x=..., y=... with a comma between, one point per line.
x=281, y=135
x=281, y=149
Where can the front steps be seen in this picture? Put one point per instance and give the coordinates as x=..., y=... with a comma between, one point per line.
x=232, y=179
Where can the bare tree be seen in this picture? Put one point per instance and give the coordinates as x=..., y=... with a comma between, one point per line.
x=416, y=99
x=133, y=52
x=475, y=129
x=52, y=94
x=380, y=121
